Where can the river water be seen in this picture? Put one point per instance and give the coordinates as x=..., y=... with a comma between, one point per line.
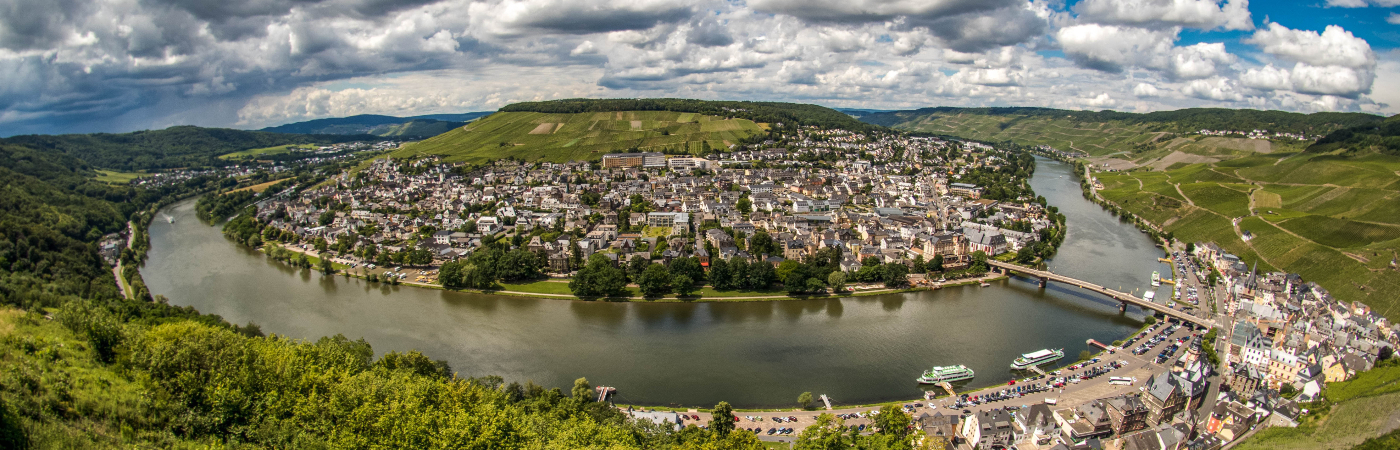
x=752, y=354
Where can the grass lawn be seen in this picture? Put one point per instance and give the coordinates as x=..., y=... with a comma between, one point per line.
x=540, y=287
x=657, y=232
x=111, y=177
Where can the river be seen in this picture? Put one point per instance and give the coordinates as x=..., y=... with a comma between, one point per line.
x=752, y=354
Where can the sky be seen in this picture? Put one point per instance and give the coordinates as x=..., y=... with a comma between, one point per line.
x=77, y=66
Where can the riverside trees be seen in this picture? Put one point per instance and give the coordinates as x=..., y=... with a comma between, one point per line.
x=599, y=278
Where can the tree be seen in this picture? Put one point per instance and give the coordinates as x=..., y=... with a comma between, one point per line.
x=326, y=266
x=895, y=274
x=655, y=281
x=1025, y=255
x=689, y=267
x=979, y=262
x=805, y=401
x=837, y=281
x=684, y=285
x=722, y=419
x=1085, y=355
x=636, y=265
x=744, y=205
x=937, y=264
x=1190, y=247
x=893, y=421
x=599, y=278
x=828, y=433
x=786, y=269
x=815, y=286
x=719, y=273
x=582, y=391
x=762, y=244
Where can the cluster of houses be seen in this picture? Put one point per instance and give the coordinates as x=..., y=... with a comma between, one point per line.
x=642, y=204
x=1283, y=340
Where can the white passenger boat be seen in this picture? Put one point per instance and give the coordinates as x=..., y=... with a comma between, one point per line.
x=947, y=374
x=1037, y=358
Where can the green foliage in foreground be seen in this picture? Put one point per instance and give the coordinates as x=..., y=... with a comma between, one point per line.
x=184, y=384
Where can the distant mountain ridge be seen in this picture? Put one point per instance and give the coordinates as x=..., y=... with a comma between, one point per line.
x=381, y=125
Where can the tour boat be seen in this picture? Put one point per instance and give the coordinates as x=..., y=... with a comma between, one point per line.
x=942, y=374
x=1149, y=295
x=1156, y=279
x=1037, y=358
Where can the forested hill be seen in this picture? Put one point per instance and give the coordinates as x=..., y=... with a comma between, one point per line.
x=1383, y=137
x=180, y=146
x=761, y=112
x=1178, y=121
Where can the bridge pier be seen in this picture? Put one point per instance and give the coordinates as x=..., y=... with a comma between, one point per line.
x=1122, y=307
x=1043, y=281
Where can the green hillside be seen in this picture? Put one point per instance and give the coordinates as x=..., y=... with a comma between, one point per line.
x=1330, y=218
x=181, y=146
x=1124, y=140
x=415, y=128
x=561, y=137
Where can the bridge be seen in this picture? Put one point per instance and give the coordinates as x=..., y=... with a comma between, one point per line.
x=1124, y=299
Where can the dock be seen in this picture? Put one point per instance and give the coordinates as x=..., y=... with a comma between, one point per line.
x=1037, y=369
x=604, y=392
x=826, y=400
x=1097, y=344
x=948, y=387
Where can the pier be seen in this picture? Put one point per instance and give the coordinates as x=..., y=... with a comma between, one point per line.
x=604, y=392
x=1096, y=344
x=1037, y=369
x=826, y=400
x=948, y=387
x=1124, y=299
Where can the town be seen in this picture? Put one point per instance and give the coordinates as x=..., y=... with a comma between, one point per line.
x=885, y=199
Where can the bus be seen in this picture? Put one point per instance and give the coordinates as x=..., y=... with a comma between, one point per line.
x=1121, y=381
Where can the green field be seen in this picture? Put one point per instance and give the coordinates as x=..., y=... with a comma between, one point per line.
x=112, y=177
x=251, y=153
x=582, y=136
x=1361, y=408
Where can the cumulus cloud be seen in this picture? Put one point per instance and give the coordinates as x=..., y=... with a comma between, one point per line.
x=1218, y=88
x=1362, y=3
x=1204, y=14
x=1111, y=48
x=1333, y=62
x=1267, y=78
x=85, y=65
x=1145, y=90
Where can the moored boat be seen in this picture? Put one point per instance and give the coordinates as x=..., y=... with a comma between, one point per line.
x=1037, y=358
x=946, y=374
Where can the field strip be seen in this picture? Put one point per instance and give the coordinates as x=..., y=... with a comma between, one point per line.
x=544, y=128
